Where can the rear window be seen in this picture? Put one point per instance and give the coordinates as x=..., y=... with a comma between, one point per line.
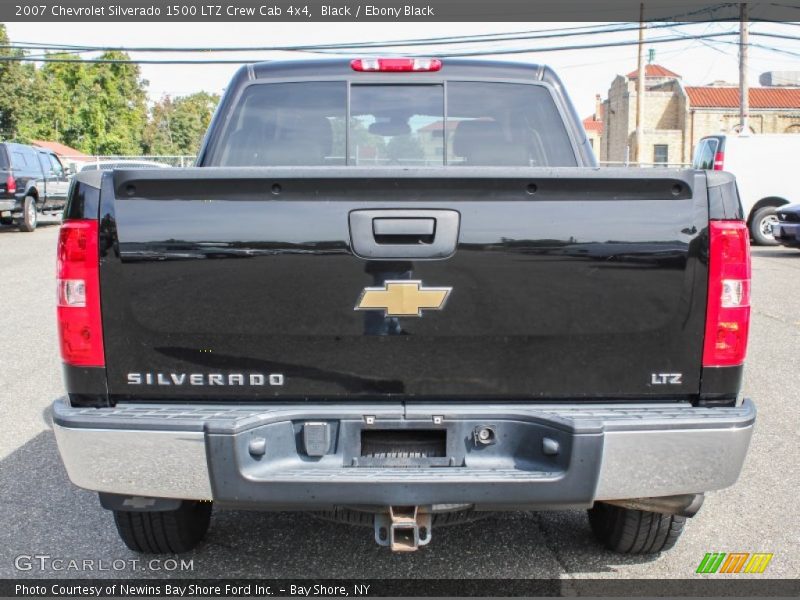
x=44, y=161
x=18, y=160
x=305, y=124
x=31, y=158
x=704, y=155
x=505, y=124
x=287, y=124
x=56, y=166
x=396, y=125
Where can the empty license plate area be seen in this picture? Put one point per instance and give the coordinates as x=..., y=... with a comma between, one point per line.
x=413, y=447
x=502, y=444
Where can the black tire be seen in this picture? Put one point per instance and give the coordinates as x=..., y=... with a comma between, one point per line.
x=629, y=531
x=761, y=219
x=6, y=221
x=30, y=216
x=164, y=532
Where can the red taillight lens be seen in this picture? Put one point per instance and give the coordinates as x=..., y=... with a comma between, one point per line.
x=396, y=65
x=80, y=326
x=11, y=185
x=728, y=311
x=719, y=161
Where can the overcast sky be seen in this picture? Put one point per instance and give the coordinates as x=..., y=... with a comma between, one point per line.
x=585, y=72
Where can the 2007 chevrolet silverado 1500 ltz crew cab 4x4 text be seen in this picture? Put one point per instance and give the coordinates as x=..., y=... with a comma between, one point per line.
x=399, y=292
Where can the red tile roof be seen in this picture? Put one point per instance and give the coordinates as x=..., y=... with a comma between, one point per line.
x=438, y=126
x=60, y=149
x=589, y=124
x=651, y=70
x=728, y=97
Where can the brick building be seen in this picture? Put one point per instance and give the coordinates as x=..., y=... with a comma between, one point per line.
x=676, y=116
x=593, y=125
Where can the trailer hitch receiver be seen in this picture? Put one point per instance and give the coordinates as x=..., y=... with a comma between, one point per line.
x=403, y=528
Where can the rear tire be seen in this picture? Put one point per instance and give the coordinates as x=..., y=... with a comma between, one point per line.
x=761, y=226
x=30, y=217
x=629, y=531
x=164, y=532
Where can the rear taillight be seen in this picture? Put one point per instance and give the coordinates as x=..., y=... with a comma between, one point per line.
x=719, y=161
x=728, y=311
x=11, y=185
x=396, y=64
x=80, y=326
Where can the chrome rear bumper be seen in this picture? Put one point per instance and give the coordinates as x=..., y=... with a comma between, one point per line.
x=605, y=452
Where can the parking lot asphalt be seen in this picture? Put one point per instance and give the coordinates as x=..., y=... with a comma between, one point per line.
x=42, y=513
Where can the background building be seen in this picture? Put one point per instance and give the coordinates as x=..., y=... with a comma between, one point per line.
x=676, y=116
x=593, y=125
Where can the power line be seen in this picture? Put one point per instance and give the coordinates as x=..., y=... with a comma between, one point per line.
x=764, y=47
x=331, y=49
x=501, y=51
x=793, y=6
x=596, y=29
x=774, y=22
x=779, y=36
x=526, y=35
x=383, y=43
x=452, y=40
x=622, y=43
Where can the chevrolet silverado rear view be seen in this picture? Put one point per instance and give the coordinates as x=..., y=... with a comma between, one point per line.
x=400, y=293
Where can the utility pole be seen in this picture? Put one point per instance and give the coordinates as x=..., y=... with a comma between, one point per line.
x=640, y=90
x=744, y=87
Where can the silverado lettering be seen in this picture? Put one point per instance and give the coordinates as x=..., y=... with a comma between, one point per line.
x=472, y=315
x=256, y=379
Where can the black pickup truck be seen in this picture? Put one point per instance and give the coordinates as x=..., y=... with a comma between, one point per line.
x=400, y=293
x=32, y=182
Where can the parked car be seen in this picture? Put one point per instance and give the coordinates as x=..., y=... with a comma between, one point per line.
x=32, y=182
x=468, y=323
x=110, y=165
x=765, y=166
x=787, y=229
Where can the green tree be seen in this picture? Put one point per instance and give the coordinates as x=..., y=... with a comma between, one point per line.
x=56, y=96
x=17, y=80
x=113, y=119
x=98, y=108
x=361, y=140
x=177, y=126
x=405, y=147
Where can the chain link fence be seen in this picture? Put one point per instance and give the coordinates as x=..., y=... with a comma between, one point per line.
x=77, y=163
x=660, y=165
x=175, y=160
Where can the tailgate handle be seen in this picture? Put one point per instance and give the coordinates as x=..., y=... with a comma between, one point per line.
x=402, y=233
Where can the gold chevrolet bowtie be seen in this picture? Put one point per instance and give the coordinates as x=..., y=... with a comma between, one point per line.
x=403, y=298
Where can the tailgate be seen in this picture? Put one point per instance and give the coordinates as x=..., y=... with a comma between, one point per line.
x=307, y=283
